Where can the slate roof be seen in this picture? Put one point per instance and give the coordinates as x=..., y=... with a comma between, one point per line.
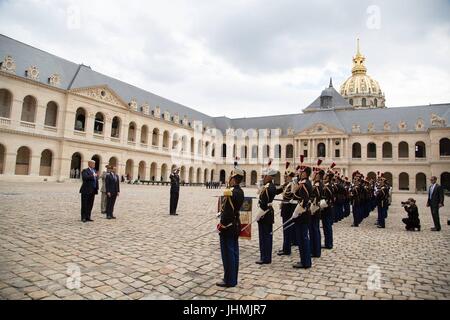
x=340, y=115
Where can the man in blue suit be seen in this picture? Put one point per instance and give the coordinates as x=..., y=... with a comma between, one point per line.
x=112, y=188
x=88, y=190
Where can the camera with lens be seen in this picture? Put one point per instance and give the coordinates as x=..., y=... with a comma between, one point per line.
x=405, y=203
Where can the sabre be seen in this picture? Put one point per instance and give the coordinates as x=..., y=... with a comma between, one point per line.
x=287, y=221
x=212, y=218
x=205, y=234
x=289, y=226
x=253, y=221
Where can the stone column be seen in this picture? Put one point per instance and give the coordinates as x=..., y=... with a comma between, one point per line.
x=107, y=127
x=40, y=117
x=35, y=163
x=9, y=165
x=16, y=111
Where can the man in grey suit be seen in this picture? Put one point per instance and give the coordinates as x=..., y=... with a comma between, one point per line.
x=103, y=189
x=435, y=201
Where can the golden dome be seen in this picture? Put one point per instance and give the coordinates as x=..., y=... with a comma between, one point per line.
x=360, y=90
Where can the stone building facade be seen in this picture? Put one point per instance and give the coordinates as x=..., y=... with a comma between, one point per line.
x=56, y=115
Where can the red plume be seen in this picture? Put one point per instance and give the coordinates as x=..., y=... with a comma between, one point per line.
x=333, y=165
x=270, y=163
x=302, y=158
x=298, y=167
x=287, y=164
x=319, y=162
x=346, y=178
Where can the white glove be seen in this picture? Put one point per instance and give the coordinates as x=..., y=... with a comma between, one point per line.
x=323, y=204
x=295, y=214
x=298, y=210
x=259, y=214
x=314, y=208
x=218, y=214
x=292, y=201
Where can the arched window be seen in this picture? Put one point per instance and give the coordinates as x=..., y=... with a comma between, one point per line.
x=356, y=150
x=207, y=147
x=184, y=144
x=350, y=101
x=164, y=172
x=222, y=176
x=97, y=160
x=371, y=150
x=192, y=145
x=289, y=151
x=321, y=150
x=45, y=168
x=420, y=150
x=253, y=177
x=364, y=103
x=155, y=137
x=277, y=151
x=132, y=132
x=75, y=166
x=403, y=151
x=444, y=147
x=224, y=151
x=51, y=113
x=99, y=123
x=144, y=134
x=29, y=109
x=421, y=182
x=213, y=151
x=191, y=175
x=254, y=152
x=175, y=142
x=80, y=119
x=372, y=175
x=205, y=176
x=115, y=127
x=199, y=175
x=387, y=150
x=403, y=181
x=445, y=180
x=114, y=163
x=234, y=151
x=212, y=174
x=166, y=137
x=5, y=103
x=389, y=178
x=23, y=161
x=375, y=102
x=129, y=166
x=153, y=172
x=142, y=169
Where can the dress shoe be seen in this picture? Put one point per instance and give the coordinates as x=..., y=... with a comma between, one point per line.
x=223, y=285
x=83, y=220
x=418, y=228
x=113, y=217
x=300, y=266
x=381, y=227
x=434, y=229
x=282, y=253
x=90, y=220
x=355, y=225
x=262, y=262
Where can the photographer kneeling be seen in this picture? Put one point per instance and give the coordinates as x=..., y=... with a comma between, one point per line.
x=413, y=221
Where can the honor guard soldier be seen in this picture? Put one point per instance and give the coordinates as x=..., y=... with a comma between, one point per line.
x=355, y=195
x=265, y=215
x=287, y=209
x=316, y=196
x=302, y=218
x=327, y=210
x=230, y=227
x=174, y=191
x=347, y=201
x=340, y=198
x=382, y=196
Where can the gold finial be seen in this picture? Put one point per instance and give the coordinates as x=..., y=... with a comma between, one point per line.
x=357, y=46
x=358, y=61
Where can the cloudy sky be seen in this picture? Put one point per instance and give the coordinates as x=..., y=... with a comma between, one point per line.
x=250, y=57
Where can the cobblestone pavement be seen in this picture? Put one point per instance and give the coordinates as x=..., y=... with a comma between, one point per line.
x=147, y=254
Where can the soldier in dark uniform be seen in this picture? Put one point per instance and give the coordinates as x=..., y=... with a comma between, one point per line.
x=287, y=209
x=265, y=216
x=88, y=190
x=356, y=199
x=174, y=191
x=382, y=196
x=327, y=211
x=340, y=199
x=303, y=218
x=229, y=228
x=314, y=226
x=347, y=200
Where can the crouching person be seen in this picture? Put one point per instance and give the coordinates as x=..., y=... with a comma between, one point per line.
x=413, y=221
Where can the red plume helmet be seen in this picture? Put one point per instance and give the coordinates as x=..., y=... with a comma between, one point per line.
x=298, y=167
x=270, y=163
x=287, y=164
x=319, y=162
x=333, y=165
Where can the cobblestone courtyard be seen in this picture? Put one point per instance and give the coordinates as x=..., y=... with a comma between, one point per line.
x=147, y=254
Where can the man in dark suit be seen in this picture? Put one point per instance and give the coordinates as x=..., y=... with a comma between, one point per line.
x=112, y=185
x=174, y=191
x=88, y=190
x=435, y=201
